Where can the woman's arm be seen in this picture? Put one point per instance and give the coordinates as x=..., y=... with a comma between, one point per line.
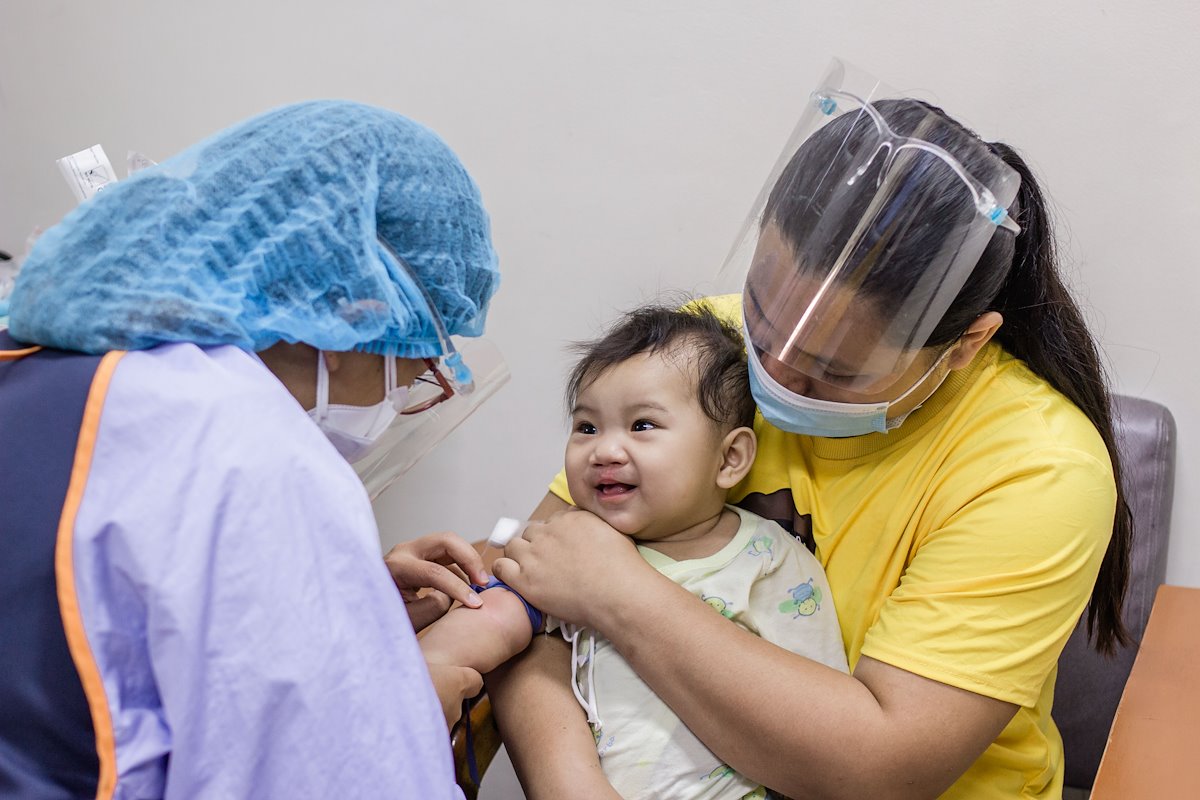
x=881, y=732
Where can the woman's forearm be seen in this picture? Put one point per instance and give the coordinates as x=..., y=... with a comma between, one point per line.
x=788, y=722
x=776, y=717
x=543, y=727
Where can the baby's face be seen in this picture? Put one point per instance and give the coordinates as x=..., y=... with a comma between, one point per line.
x=642, y=455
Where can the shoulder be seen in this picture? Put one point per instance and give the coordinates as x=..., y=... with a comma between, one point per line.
x=186, y=426
x=1009, y=418
x=726, y=306
x=215, y=398
x=176, y=377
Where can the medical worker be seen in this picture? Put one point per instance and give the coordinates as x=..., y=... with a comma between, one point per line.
x=192, y=599
x=935, y=424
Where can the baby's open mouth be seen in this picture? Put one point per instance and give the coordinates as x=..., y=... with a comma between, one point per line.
x=614, y=489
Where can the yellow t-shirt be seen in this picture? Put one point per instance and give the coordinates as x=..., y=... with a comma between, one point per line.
x=962, y=546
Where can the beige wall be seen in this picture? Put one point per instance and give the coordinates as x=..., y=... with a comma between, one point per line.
x=619, y=145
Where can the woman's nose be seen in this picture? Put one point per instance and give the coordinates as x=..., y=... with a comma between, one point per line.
x=791, y=379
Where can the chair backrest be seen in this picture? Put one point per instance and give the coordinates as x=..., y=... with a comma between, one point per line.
x=1089, y=684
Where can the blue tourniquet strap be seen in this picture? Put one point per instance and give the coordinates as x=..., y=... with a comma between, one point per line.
x=472, y=764
x=535, y=616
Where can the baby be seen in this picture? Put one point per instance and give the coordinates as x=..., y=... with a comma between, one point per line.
x=661, y=418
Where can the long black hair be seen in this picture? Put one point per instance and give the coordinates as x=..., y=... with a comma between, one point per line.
x=1016, y=275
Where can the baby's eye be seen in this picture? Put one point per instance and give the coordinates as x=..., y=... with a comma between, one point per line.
x=585, y=428
x=643, y=425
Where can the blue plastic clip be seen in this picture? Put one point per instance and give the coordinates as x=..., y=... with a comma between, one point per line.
x=458, y=368
x=827, y=105
x=997, y=215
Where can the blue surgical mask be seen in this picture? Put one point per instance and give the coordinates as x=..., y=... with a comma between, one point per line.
x=796, y=413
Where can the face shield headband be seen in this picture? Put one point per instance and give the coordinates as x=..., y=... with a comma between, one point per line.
x=472, y=371
x=871, y=222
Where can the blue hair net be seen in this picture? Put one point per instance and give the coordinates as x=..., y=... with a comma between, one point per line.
x=270, y=231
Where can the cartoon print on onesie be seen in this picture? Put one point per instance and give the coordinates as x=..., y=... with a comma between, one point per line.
x=718, y=605
x=723, y=770
x=760, y=545
x=719, y=772
x=598, y=734
x=805, y=600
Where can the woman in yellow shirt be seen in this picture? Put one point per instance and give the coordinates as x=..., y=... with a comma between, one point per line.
x=935, y=424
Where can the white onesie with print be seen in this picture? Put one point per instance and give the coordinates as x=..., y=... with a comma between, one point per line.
x=764, y=580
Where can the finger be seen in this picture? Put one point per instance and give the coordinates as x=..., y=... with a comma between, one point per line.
x=515, y=549
x=410, y=572
x=438, y=577
x=427, y=609
x=458, y=571
x=458, y=550
x=445, y=548
x=507, y=570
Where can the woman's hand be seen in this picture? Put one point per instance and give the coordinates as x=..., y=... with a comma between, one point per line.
x=454, y=685
x=425, y=563
x=572, y=566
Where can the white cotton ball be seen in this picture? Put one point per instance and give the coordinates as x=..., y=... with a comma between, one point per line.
x=506, y=528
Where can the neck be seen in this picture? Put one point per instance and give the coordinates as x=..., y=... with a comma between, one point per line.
x=699, y=540
x=295, y=365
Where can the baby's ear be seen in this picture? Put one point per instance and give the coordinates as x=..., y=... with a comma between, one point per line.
x=737, y=455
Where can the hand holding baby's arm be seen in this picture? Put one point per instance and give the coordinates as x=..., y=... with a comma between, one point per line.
x=454, y=685
x=424, y=563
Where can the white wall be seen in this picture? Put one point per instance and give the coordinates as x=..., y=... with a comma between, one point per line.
x=619, y=145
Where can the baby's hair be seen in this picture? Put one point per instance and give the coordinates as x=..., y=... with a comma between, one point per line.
x=711, y=345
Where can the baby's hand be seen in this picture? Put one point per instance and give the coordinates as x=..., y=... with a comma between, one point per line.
x=423, y=564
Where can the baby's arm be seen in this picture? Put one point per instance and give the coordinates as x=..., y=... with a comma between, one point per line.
x=480, y=638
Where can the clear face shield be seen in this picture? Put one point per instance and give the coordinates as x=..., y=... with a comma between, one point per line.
x=470, y=371
x=870, y=223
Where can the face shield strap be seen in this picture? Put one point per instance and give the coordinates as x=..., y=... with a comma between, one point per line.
x=322, y=405
x=459, y=373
